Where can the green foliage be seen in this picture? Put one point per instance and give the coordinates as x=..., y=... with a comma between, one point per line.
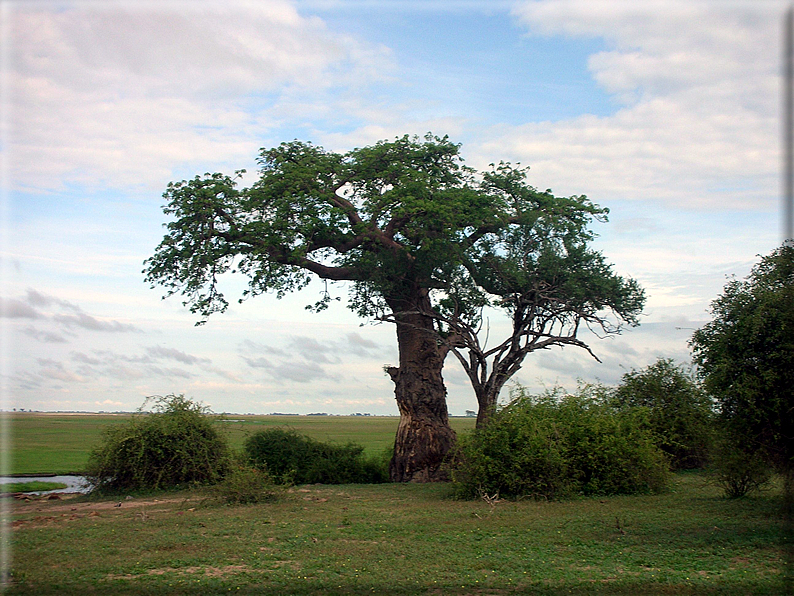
x=245, y=485
x=369, y=216
x=680, y=413
x=289, y=457
x=175, y=444
x=400, y=220
x=738, y=469
x=556, y=446
x=417, y=234
x=746, y=357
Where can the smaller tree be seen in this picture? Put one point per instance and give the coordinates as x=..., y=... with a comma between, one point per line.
x=543, y=274
x=680, y=411
x=176, y=444
x=746, y=359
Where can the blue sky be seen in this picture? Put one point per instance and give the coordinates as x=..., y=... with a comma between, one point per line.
x=665, y=112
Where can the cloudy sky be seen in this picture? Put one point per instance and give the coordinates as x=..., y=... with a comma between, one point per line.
x=665, y=112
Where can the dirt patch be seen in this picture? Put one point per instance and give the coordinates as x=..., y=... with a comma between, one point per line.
x=38, y=521
x=224, y=571
x=65, y=504
x=481, y=592
x=206, y=571
x=42, y=512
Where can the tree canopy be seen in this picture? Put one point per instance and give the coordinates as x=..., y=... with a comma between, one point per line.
x=425, y=243
x=746, y=356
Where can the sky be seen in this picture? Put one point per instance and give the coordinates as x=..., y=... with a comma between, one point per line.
x=668, y=113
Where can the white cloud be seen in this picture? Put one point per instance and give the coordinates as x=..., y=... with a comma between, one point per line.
x=306, y=358
x=258, y=362
x=93, y=324
x=12, y=308
x=54, y=370
x=361, y=346
x=85, y=358
x=49, y=309
x=698, y=83
x=36, y=298
x=174, y=354
x=314, y=351
x=110, y=402
x=300, y=372
x=44, y=336
x=169, y=373
x=392, y=123
x=120, y=94
x=247, y=346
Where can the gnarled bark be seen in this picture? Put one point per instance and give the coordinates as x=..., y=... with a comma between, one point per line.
x=424, y=435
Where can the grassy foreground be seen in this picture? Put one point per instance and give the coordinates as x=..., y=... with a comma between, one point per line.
x=401, y=539
x=60, y=443
x=15, y=487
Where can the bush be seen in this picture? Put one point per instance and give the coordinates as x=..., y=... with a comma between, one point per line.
x=245, y=485
x=681, y=414
x=738, y=469
x=290, y=457
x=554, y=446
x=176, y=444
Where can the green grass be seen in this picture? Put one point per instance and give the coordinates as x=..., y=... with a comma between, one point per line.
x=53, y=443
x=60, y=443
x=35, y=485
x=378, y=539
x=402, y=539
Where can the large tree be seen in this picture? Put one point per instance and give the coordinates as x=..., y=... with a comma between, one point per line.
x=745, y=356
x=420, y=238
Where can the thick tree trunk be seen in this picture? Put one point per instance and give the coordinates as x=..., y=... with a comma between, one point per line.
x=424, y=435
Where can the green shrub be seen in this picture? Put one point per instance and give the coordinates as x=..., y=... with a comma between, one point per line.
x=555, y=446
x=290, y=457
x=245, y=485
x=681, y=414
x=176, y=444
x=738, y=469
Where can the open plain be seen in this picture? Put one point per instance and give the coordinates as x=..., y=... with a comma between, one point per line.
x=384, y=539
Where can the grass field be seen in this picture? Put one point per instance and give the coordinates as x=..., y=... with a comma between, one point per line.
x=60, y=443
x=26, y=487
x=401, y=539
x=379, y=539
